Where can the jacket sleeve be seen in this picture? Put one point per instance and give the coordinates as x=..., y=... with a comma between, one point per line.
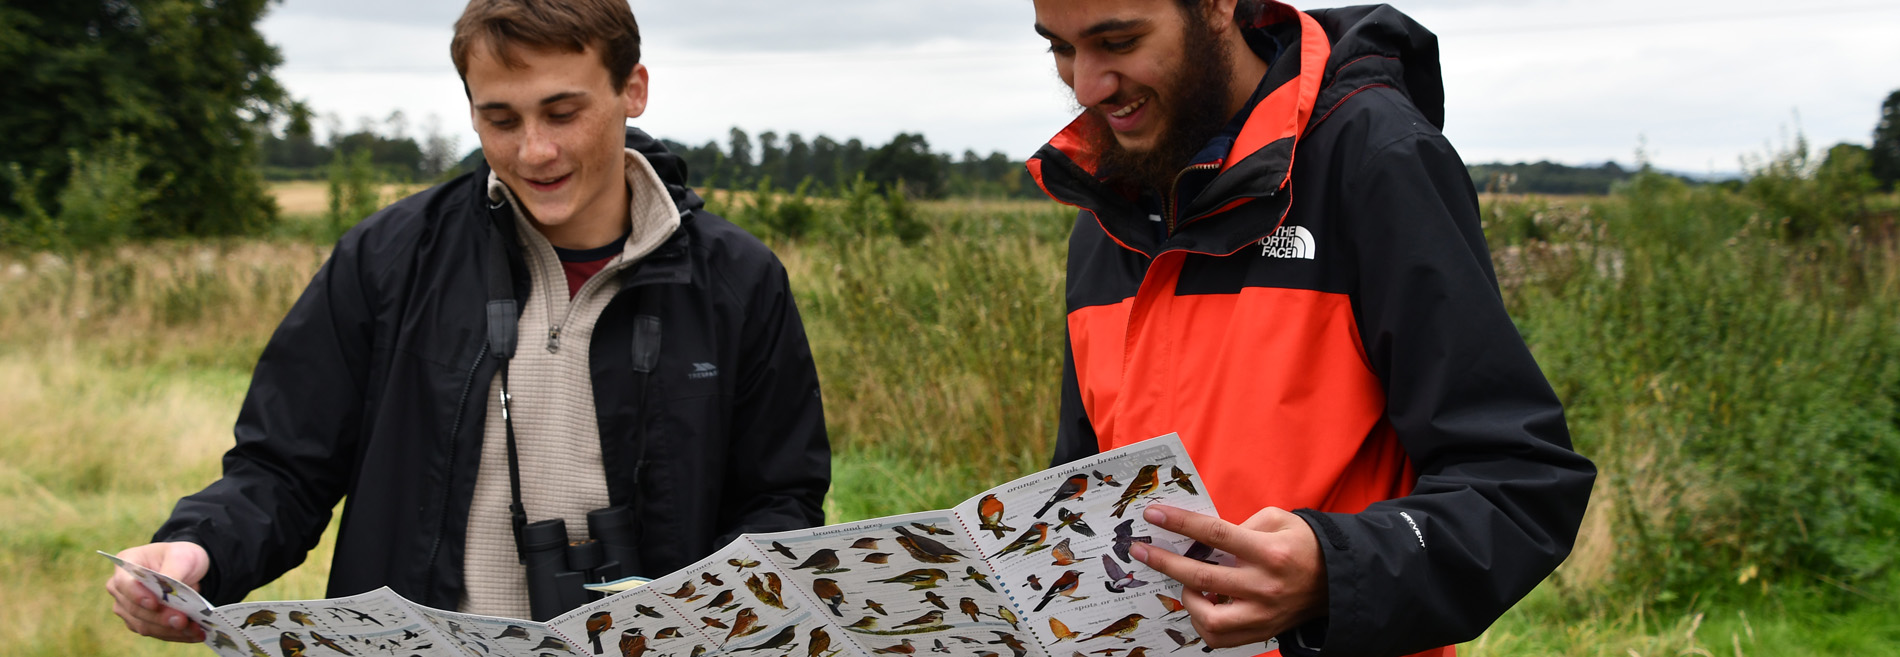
x=296, y=436
x=779, y=466
x=1500, y=493
x=1075, y=437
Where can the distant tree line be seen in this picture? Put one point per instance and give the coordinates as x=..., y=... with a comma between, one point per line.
x=829, y=167
x=1547, y=178
x=393, y=154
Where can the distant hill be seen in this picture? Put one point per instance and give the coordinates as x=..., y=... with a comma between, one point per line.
x=1547, y=178
x=1553, y=178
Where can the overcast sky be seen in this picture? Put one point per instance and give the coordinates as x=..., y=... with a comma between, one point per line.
x=1699, y=83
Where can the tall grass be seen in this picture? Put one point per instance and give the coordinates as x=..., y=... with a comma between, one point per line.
x=937, y=361
x=1738, y=384
x=1740, y=391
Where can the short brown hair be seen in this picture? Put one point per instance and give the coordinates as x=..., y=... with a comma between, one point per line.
x=570, y=25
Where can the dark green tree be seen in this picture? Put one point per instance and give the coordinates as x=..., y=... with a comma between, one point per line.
x=738, y=160
x=825, y=166
x=190, y=80
x=395, y=158
x=298, y=148
x=797, y=165
x=772, y=158
x=1886, y=150
x=850, y=159
x=908, y=158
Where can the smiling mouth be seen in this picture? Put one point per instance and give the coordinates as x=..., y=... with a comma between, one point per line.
x=547, y=183
x=1130, y=108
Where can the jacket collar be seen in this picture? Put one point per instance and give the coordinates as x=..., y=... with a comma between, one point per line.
x=1259, y=165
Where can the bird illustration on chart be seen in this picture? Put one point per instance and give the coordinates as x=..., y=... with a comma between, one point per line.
x=1072, y=522
x=989, y=513
x=1118, y=580
x=1031, y=538
x=919, y=579
x=1072, y=488
x=782, y=640
x=632, y=643
x=1125, y=537
x=1064, y=586
x=1063, y=554
x=1061, y=630
x=1182, y=479
x=830, y=593
x=924, y=548
x=1144, y=483
x=1119, y=629
x=823, y=562
x=1181, y=640
x=931, y=529
x=597, y=624
x=981, y=579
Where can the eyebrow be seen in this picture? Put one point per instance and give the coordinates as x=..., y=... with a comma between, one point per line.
x=1110, y=25
x=550, y=100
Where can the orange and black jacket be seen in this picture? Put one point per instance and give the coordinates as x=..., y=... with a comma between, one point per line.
x=1321, y=324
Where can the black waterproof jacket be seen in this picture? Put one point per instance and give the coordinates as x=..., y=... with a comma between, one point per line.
x=373, y=389
x=1321, y=323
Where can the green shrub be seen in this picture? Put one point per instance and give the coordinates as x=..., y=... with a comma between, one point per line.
x=902, y=218
x=355, y=187
x=1810, y=197
x=1738, y=383
x=101, y=204
x=864, y=210
x=794, y=215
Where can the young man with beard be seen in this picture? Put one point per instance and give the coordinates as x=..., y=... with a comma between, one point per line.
x=658, y=362
x=1278, y=256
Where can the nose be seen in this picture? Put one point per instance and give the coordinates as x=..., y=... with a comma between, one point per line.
x=537, y=146
x=1095, y=82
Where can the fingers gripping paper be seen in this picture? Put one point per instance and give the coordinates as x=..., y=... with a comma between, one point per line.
x=1037, y=567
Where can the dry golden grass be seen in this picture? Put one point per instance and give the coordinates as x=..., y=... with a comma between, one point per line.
x=313, y=196
x=95, y=454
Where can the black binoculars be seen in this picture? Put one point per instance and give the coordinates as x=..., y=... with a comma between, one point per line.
x=558, y=570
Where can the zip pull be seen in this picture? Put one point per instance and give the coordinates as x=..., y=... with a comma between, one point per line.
x=554, y=339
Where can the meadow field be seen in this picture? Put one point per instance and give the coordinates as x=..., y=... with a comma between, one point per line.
x=1732, y=366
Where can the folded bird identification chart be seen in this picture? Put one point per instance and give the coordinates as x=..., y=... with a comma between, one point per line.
x=1037, y=567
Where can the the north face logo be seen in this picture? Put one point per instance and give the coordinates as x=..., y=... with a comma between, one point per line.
x=703, y=371
x=1289, y=242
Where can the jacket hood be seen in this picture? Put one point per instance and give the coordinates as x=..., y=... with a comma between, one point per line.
x=670, y=167
x=1376, y=45
x=1330, y=54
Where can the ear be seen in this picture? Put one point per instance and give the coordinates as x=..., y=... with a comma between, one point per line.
x=635, y=95
x=1220, y=14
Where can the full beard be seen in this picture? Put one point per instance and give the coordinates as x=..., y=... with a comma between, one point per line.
x=1195, y=107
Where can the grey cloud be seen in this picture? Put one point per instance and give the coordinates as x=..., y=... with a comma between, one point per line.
x=761, y=25
x=440, y=13
x=745, y=25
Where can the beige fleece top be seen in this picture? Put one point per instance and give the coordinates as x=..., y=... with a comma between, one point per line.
x=551, y=398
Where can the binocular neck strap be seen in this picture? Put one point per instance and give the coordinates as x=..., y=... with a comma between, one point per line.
x=518, y=514
x=502, y=316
